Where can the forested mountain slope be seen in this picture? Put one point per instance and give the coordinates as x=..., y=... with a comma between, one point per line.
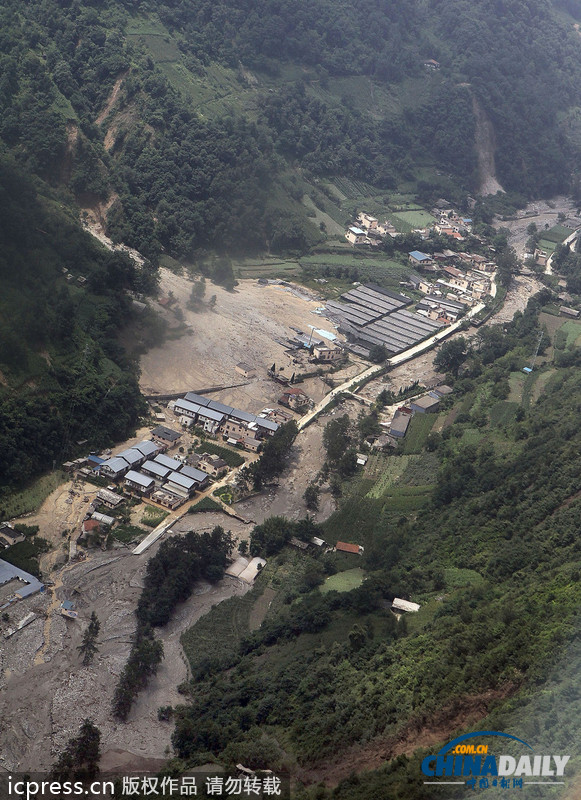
x=63, y=375
x=478, y=526
x=224, y=113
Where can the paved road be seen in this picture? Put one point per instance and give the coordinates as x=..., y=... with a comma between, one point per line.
x=568, y=240
x=406, y=355
x=164, y=526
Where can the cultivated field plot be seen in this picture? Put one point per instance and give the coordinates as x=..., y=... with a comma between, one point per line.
x=573, y=331
x=419, y=429
x=343, y=581
x=406, y=221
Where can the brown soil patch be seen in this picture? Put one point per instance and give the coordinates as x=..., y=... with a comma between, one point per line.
x=461, y=713
x=112, y=99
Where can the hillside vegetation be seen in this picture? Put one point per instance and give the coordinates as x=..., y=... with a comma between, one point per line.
x=204, y=125
x=486, y=542
x=63, y=375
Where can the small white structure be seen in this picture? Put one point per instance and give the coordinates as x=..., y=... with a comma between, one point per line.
x=404, y=605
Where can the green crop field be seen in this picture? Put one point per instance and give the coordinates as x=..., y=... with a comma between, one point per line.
x=32, y=496
x=391, y=470
x=557, y=234
x=232, y=458
x=408, y=220
x=573, y=331
x=502, y=413
x=418, y=432
x=344, y=581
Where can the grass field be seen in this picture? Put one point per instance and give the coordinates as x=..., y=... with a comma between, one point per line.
x=128, y=533
x=456, y=577
x=31, y=497
x=344, y=581
x=573, y=332
x=152, y=516
x=418, y=431
x=516, y=382
x=502, y=413
x=540, y=384
x=406, y=221
x=216, y=637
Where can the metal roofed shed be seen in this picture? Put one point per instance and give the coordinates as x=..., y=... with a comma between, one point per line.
x=192, y=397
x=182, y=480
x=197, y=475
x=8, y=573
x=399, y=425
x=143, y=481
x=114, y=466
x=166, y=461
x=156, y=470
x=425, y=404
x=345, y=547
x=131, y=456
x=148, y=448
x=404, y=605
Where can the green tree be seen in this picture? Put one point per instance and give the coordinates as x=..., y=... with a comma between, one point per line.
x=451, y=355
x=88, y=646
x=311, y=497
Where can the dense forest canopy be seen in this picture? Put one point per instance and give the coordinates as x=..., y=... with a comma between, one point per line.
x=64, y=376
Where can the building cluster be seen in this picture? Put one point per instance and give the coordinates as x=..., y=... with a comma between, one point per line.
x=369, y=230
x=146, y=471
x=237, y=427
x=448, y=222
x=397, y=428
x=372, y=316
x=448, y=297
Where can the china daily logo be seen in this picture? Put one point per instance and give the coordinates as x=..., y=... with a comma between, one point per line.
x=473, y=763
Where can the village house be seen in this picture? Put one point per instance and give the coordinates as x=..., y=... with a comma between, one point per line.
x=167, y=499
x=294, y=398
x=166, y=461
x=137, y=483
x=251, y=443
x=366, y=221
x=181, y=485
x=419, y=259
x=200, y=476
x=327, y=354
x=356, y=236
x=234, y=430
x=278, y=415
x=245, y=370
x=133, y=457
x=9, y=536
x=114, y=468
x=432, y=64
x=399, y=425
x=155, y=470
x=147, y=449
x=210, y=419
x=108, y=498
x=425, y=404
x=166, y=436
x=344, y=547
x=212, y=464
